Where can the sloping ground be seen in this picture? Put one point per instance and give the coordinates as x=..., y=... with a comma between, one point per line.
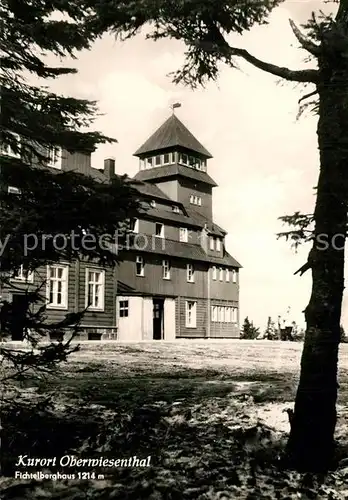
x=211, y=415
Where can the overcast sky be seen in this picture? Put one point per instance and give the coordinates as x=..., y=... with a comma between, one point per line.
x=265, y=162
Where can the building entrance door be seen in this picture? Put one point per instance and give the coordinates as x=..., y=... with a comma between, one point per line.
x=158, y=308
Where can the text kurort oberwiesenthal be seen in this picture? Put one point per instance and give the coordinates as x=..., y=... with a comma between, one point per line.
x=73, y=461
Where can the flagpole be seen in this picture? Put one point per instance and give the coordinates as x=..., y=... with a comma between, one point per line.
x=174, y=106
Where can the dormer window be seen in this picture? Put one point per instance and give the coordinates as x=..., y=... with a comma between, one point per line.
x=153, y=203
x=176, y=209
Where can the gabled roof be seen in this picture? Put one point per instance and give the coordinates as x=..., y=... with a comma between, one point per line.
x=172, y=133
x=173, y=170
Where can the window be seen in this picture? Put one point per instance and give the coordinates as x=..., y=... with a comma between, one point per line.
x=153, y=203
x=123, y=309
x=191, y=313
x=228, y=317
x=165, y=269
x=176, y=209
x=158, y=160
x=134, y=225
x=165, y=159
x=183, y=234
x=6, y=149
x=224, y=314
x=195, y=200
x=234, y=276
x=95, y=289
x=159, y=230
x=221, y=274
x=57, y=287
x=218, y=244
x=139, y=265
x=190, y=273
x=214, y=272
x=212, y=243
x=227, y=275
x=184, y=159
x=234, y=315
x=148, y=162
x=24, y=275
x=54, y=158
x=13, y=190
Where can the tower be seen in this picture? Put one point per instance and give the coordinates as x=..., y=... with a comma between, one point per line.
x=174, y=160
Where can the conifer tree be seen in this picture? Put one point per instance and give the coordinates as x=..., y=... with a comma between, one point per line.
x=205, y=28
x=249, y=331
x=35, y=121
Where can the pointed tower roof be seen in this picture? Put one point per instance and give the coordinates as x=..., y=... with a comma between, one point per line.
x=172, y=133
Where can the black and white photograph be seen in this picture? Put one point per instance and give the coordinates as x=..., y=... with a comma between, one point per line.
x=173, y=223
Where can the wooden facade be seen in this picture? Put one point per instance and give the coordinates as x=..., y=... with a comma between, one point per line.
x=175, y=278
x=177, y=234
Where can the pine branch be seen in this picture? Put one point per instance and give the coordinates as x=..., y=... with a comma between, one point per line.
x=303, y=269
x=306, y=96
x=303, y=76
x=308, y=265
x=215, y=43
x=307, y=44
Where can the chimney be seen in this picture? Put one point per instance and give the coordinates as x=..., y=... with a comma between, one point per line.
x=109, y=167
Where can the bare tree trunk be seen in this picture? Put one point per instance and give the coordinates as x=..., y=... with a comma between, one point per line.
x=311, y=442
